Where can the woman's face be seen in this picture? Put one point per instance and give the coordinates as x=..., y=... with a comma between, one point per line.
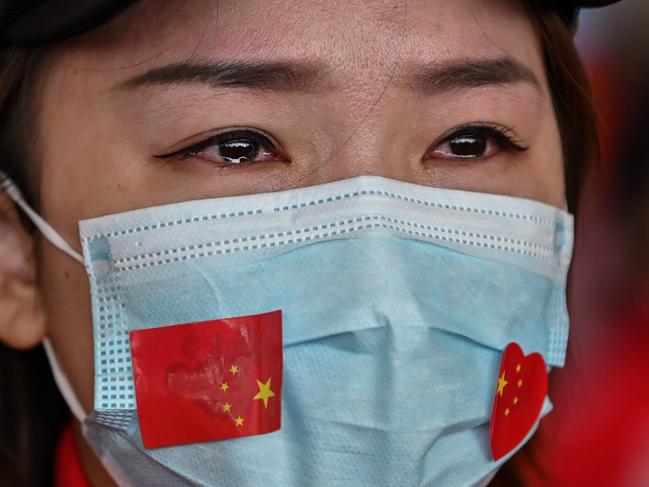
x=438, y=93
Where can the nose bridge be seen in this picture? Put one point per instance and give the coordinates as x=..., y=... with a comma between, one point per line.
x=368, y=111
x=367, y=149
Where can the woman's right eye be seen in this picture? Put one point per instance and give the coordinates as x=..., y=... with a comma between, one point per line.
x=231, y=148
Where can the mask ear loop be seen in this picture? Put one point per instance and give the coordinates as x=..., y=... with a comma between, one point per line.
x=55, y=239
x=48, y=232
x=63, y=383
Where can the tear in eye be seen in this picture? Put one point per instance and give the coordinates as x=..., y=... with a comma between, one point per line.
x=238, y=150
x=233, y=147
x=236, y=147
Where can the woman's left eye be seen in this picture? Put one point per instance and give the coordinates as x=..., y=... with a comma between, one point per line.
x=232, y=147
x=475, y=142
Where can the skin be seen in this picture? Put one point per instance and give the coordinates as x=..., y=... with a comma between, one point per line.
x=96, y=143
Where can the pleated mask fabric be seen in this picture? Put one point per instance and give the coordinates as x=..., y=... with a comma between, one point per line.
x=397, y=302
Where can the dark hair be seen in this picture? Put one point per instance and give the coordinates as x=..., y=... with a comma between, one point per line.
x=19, y=73
x=32, y=411
x=31, y=407
x=573, y=103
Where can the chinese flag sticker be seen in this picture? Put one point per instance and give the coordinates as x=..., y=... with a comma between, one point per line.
x=518, y=401
x=208, y=381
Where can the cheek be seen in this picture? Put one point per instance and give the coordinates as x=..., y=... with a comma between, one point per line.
x=547, y=165
x=536, y=173
x=539, y=175
x=66, y=300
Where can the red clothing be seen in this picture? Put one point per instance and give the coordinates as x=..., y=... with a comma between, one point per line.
x=69, y=470
x=599, y=431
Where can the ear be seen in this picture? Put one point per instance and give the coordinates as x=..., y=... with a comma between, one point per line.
x=22, y=318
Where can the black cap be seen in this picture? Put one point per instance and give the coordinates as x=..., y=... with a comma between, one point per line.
x=569, y=9
x=28, y=22
x=39, y=21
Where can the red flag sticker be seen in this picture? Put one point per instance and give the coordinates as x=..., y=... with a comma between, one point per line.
x=209, y=380
x=518, y=401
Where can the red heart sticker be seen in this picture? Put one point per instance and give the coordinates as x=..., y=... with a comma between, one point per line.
x=520, y=393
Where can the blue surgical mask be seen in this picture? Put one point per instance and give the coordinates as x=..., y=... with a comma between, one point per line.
x=397, y=302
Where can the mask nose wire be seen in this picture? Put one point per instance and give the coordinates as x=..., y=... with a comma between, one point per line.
x=48, y=232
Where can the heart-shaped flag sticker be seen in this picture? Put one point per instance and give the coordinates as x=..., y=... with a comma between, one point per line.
x=520, y=392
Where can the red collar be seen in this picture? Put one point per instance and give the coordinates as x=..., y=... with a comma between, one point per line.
x=68, y=470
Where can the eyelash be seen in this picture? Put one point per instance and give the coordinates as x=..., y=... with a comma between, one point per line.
x=261, y=138
x=503, y=136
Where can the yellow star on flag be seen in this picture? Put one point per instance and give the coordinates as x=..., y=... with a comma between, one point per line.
x=264, y=392
x=234, y=369
x=239, y=421
x=501, y=384
x=226, y=407
x=224, y=386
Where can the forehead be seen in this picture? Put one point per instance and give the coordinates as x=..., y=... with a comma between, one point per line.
x=351, y=36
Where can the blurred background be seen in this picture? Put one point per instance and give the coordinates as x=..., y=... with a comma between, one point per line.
x=598, y=434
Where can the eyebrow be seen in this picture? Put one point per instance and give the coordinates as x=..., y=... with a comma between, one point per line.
x=264, y=76
x=465, y=74
x=301, y=76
